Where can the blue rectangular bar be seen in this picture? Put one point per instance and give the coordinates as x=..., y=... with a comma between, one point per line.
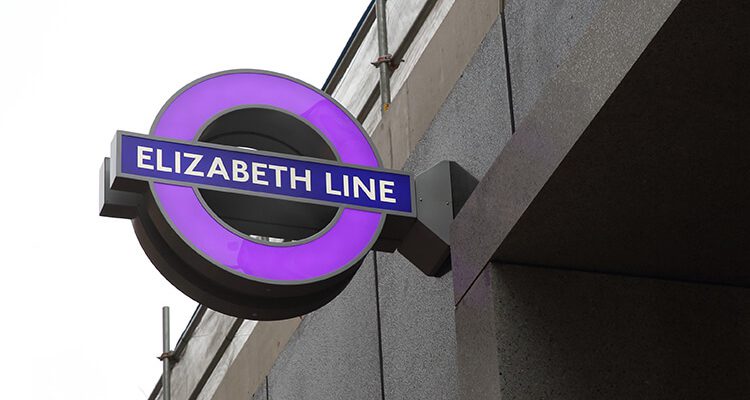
x=270, y=174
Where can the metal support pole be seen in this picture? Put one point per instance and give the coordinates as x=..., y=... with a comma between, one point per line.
x=384, y=59
x=165, y=357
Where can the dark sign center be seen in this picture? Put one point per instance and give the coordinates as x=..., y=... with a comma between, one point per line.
x=267, y=129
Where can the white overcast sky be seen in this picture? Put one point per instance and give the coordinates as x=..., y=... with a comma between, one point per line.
x=81, y=303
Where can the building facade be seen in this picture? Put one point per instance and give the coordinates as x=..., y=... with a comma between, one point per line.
x=604, y=252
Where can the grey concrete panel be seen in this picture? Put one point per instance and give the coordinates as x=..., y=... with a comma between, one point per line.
x=261, y=393
x=417, y=311
x=476, y=335
x=577, y=335
x=615, y=39
x=541, y=34
x=334, y=352
x=473, y=125
x=417, y=331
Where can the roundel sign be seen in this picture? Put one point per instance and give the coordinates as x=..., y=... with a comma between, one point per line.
x=254, y=193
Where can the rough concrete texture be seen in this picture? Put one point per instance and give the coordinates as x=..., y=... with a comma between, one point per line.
x=476, y=334
x=541, y=35
x=473, y=124
x=419, y=341
x=261, y=393
x=656, y=184
x=334, y=352
x=447, y=54
x=629, y=161
x=569, y=101
x=417, y=311
x=579, y=335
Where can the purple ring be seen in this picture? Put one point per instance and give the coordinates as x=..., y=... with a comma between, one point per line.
x=345, y=241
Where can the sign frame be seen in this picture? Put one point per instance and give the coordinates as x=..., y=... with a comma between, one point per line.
x=198, y=274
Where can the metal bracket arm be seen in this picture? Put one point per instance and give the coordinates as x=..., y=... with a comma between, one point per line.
x=425, y=240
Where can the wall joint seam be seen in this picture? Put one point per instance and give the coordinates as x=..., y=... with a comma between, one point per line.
x=507, y=73
x=380, y=333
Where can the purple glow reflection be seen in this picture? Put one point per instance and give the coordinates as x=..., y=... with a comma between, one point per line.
x=341, y=245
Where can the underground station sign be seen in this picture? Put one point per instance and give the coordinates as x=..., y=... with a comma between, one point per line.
x=259, y=196
x=254, y=193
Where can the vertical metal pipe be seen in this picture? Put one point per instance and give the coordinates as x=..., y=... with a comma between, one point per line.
x=166, y=388
x=384, y=56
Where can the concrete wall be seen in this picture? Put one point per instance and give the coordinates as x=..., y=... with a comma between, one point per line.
x=548, y=330
x=554, y=334
x=334, y=352
x=541, y=35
